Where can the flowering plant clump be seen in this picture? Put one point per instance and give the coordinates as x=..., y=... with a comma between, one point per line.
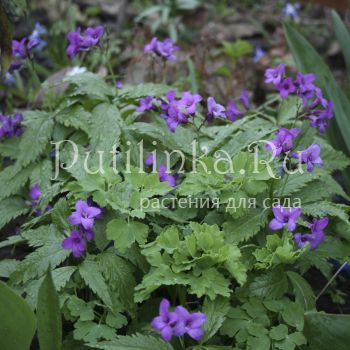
x=155, y=217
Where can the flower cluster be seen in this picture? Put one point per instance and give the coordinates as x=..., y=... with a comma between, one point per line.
x=287, y=217
x=317, y=109
x=164, y=49
x=78, y=42
x=315, y=237
x=179, y=111
x=283, y=143
x=11, y=125
x=178, y=322
x=83, y=216
x=21, y=49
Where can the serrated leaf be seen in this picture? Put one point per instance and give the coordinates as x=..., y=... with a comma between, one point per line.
x=271, y=285
x=119, y=274
x=302, y=290
x=134, y=342
x=142, y=90
x=15, y=178
x=39, y=127
x=245, y=227
x=10, y=208
x=49, y=252
x=90, y=84
x=216, y=312
x=91, y=332
x=91, y=274
x=76, y=117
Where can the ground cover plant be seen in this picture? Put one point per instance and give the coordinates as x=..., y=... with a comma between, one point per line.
x=160, y=216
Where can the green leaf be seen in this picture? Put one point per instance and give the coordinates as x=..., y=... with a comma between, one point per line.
x=90, y=84
x=142, y=90
x=10, y=208
x=7, y=266
x=134, y=342
x=50, y=252
x=105, y=128
x=91, y=332
x=273, y=285
x=49, y=316
x=211, y=283
x=124, y=233
x=79, y=308
x=39, y=127
x=15, y=178
x=91, y=274
x=293, y=315
x=216, y=312
x=242, y=229
x=302, y=290
x=327, y=331
x=17, y=320
x=119, y=274
x=343, y=37
x=76, y=117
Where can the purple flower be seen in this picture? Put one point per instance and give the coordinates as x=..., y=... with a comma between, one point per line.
x=78, y=42
x=35, y=193
x=15, y=65
x=283, y=141
x=146, y=104
x=119, y=84
x=232, y=111
x=179, y=322
x=304, y=82
x=319, y=118
x=74, y=43
x=84, y=215
x=164, y=49
x=286, y=87
x=284, y=217
x=165, y=177
x=165, y=322
x=188, y=102
x=319, y=99
x=274, y=75
x=19, y=48
x=174, y=117
x=33, y=43
x=11, y=126
x=150, y=159
x=308, y=238
x=169, y=100
x=151, y=46
x=76, y=243
x=215, y=110
x=291, y=11
x=92, y=36
x=319, y=225
x=311, y=157
x=190, y=324
x=315, y=237
x=244, y=99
